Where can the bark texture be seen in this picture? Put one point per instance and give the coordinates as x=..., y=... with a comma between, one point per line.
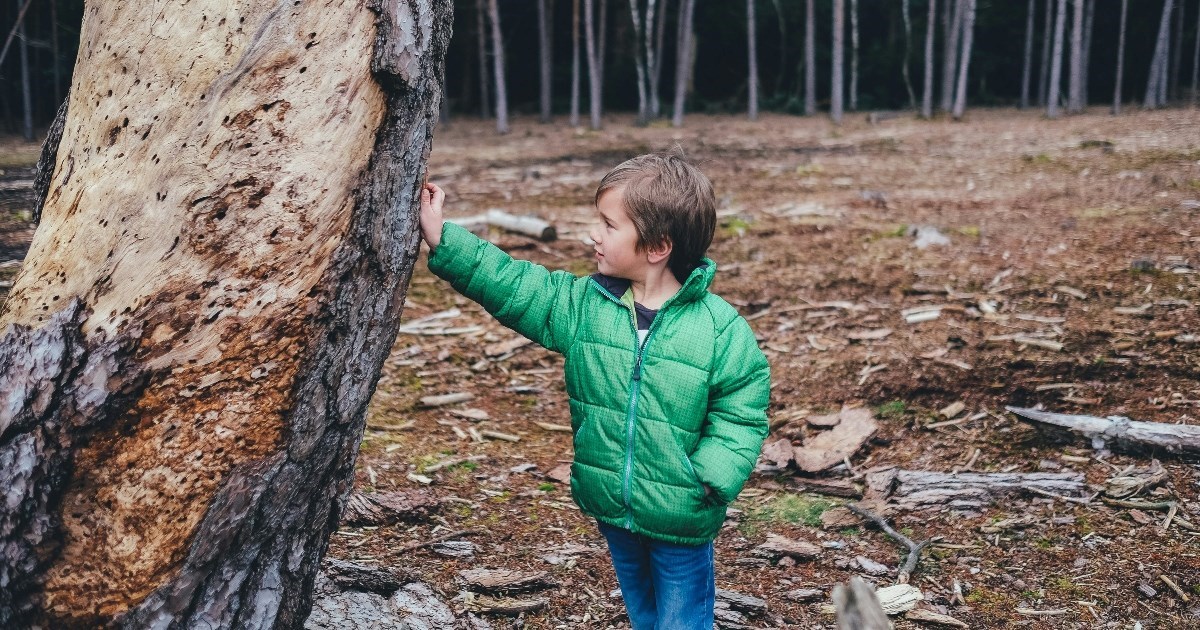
x=189, y=350
x=837, y=89
x=810, y=58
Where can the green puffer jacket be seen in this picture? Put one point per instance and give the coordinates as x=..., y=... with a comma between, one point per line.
x=652, y=428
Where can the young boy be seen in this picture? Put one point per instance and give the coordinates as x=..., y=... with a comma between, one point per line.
x=667, y=387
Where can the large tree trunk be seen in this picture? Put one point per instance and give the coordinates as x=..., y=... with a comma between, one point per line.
x=485, y=77
x=683, y=57
x=1156, y=83
x=1120, y=78
x=837, y=90
x=1060, y=25
x=968, y=37
x=1044, y=68
x=575, y=10
x=810, y=59
x=498, y=68
x=1075, y=80
x=853, y=55
x=545, y=61
x=930, y=29
x=1027, y=64
x=952, y=27
x=189, y=350
x=752, y=52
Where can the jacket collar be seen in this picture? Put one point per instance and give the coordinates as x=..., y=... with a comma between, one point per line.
x=693, y=289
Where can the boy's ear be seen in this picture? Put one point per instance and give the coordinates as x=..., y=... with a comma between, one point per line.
x=658, y=253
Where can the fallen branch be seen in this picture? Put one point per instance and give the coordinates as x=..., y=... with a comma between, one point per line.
x=527, y=225
x=914, y=549
x=433, y=541
x=1130, y=435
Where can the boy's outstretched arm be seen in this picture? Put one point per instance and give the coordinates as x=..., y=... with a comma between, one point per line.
x=736, y=425
x=524, y=296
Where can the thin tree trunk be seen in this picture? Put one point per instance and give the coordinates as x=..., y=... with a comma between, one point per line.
x=837, y=89
x=656, y=76
x=912, y=96
x=1089, y=21
x=1027, y=66
x=26, y=89
x=1047, y=39
x=1060, y=26
x=485, y=77
x=953, y=29
x=602, y=42
x=781, y=20
x=853, y=55
x=1177, y=50
x=54, y=52
x=546, y=63
x=810, y=59
x=752, y=53
x=1119, y=81
x=498, y=68
x=1158, y=76
x=1075, y=80
x=651, y=14
x=1195, y=62
x=683, y=56
x=930, y=29
x=639, y=63
x=968, y=37
x=183, y=414
x=593, y=59
x=575, y=10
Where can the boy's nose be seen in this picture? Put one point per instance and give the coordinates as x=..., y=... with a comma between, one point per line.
x=594, y=233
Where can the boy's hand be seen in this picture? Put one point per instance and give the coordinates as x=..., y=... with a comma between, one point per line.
x=432, y=198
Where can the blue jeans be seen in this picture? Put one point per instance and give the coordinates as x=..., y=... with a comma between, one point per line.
x=665, y=586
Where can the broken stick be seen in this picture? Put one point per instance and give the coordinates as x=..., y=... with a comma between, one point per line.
x=914, y=549
x=1130, y=435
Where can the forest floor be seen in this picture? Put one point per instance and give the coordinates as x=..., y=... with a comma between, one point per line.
x=1076, y=232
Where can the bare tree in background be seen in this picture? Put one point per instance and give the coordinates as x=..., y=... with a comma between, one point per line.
x=1027, y=66
x=485, y=77
x=1075, y=80
x=1047, y=42
x=545, y=52
x=656, y=74
x=1177, y=50
x=182, y=417
x=1156, y=83
x=752, y=54
x=952, y=27
x=781, y=20
x=1089, y=23
x=575, y=22
x=837, y=89
x=595, y=55
x=904, y=10
x=853, y=55
x=26, y=89
x=684, y=54
x=930, y=29
x=1195, y=62
x=1120, y=78
x=643, y=54
x=1060, y=25
x=968, y=38
x=810, y=59
x=498, y=68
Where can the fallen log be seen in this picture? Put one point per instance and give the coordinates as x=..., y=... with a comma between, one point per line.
x=505, y=581
x=385, y=508
x=1128, y=435
x=527, y=225
x=916, y=489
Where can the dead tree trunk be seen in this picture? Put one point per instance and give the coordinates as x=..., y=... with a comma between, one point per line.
x=1056, y=61
x=545, y=61
x=837, y=89
x=810, y=59
x=575, y=10
x=1027, y=65
x=1075, y=78
x=188, y=352
x=485, y=77
x=1120, y=78
x=930, y=29
x=1123, y=433
x=1156, y=83
x=1044, y=68
x=683, y=57
x=498, y=68
x=952, y=26
x=752, y=70
x=594, y=58
x=912, y=96
x=853, y=55
x=639, y=63
x=968, y=37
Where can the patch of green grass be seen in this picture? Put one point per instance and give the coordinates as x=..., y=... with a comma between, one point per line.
x=851, y=532
x=546, y=487
x=503, y=497
x=804, y=509
x=899, y=231
x=1040, y=159
x=734, y=226
x=970, y=231
x=892, y=409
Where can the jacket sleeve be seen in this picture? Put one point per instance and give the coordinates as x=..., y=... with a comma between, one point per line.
x=736, y=424
x=528, y=298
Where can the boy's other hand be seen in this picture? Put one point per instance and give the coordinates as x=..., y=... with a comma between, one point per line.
x=432, y=198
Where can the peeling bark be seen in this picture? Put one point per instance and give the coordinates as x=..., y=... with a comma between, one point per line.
x=189, y=350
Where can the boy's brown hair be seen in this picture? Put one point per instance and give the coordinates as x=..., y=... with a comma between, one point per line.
x=669, y=200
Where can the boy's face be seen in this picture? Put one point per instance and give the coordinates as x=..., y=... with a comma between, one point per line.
x=616, y=239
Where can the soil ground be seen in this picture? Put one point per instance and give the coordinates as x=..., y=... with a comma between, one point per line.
x=1051, y=225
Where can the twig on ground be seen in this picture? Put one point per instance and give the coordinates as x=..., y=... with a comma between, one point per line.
x=1045, y=493
x=914, y=549
x=443, y=538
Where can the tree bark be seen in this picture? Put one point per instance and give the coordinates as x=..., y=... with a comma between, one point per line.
x=968, y=37
x=1156, y=83
x=639, y=59
x=1131, y=436
x=188, y=352
x=1056, y=61
x=912, y=96
x=920, y=489
x=1044, y=72
x=752, y=53
x=593, y=59
x=952, y=27
x=1075, y=80
x=498, y=68
x=837, y=89
x=930, y=29
x=1119, y=81
x=546, y=63
x=1027, y=65
x=810, y=59
x=575, y=10
x=853, y=55
x=683, y=57
x=485, y=78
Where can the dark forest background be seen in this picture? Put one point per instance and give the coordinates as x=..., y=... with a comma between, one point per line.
x=51, y=33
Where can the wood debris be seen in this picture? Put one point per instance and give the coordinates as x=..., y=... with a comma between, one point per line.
x=527, y=225
x=829, y=487
x=868, y=334
x=858, y=608
x=925, y=615
x=505, y=580
x=560, y=473
x=1131, y=483
x=1119, y=431
x=778, y=546
x=506, y=606
x=554, y=427
x=913, y=489
x=952, y=410
x=476, y=415
x=747, y=604
x=497, y=435
x=385, y=508
x=453, y=461
x=505, y=347
x=446, y=399
x=829, y=448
